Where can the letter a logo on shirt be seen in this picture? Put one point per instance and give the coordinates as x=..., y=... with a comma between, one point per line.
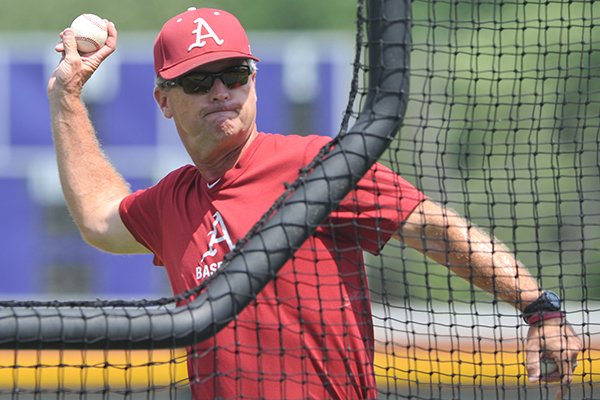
x=210, y=34
x=216, y=238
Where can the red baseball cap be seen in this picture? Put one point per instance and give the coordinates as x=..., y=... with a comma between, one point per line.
x=197, y=37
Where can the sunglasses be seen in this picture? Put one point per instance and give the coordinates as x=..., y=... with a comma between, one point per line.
x=201, y=82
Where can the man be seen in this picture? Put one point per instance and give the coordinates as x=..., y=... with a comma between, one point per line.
x=309, y=333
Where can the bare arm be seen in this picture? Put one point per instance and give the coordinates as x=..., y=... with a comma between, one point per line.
x=471, y=253
x=92, y=187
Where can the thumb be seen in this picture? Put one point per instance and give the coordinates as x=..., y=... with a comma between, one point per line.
x=533, y=368
x=532, y=356
x=70, y=73
x=69, y=43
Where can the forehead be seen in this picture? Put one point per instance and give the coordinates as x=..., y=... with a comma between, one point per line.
x=220, y=65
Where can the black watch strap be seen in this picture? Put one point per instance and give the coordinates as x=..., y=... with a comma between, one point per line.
x=547, y=302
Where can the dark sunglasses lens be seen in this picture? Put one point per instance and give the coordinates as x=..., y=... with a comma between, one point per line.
x=193, y=84
x=196, y=83
x=234, y=79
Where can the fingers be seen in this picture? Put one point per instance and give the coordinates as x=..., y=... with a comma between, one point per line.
x=571, y=345
x=111, y=41
x=60, y=46
x=567, y=368
x=67, y=42
x=560, y=369
x=533, y=360
x=564, y=388
x=552, y=351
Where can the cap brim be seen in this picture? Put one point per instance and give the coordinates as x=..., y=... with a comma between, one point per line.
x=190, y=64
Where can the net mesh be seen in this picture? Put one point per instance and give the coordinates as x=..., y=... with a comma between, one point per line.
x=502, y=126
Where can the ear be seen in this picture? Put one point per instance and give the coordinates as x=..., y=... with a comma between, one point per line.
x=160, y=95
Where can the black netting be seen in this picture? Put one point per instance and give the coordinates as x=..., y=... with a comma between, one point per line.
x=491, y=108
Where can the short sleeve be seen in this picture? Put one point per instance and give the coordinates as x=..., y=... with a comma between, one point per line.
x=372, y=212
x=138, y=212
x=144, y=211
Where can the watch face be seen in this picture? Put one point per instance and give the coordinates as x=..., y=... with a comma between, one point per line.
x=552, y=300
x=548, y=301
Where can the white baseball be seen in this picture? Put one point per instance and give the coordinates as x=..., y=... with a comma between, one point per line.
x=90, y=31
x=547, y=366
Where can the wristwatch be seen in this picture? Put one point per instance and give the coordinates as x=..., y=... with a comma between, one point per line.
x=548, y=302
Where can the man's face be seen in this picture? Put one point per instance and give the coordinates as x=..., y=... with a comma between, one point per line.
x=215, y=121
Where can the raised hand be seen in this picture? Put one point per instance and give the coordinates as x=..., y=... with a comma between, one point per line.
x=74, y=69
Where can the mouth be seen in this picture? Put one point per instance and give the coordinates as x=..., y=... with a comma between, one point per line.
x=223, y=111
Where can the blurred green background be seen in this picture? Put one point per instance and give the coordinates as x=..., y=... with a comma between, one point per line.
x=52, y=15
x=503, y=125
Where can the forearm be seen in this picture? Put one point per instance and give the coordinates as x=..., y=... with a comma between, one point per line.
x=490, y=265
x=470, y=253
x=89, y=180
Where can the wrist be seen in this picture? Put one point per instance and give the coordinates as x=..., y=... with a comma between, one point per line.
x=63, y=94
x=535, y=319
x=64, y=104
x=61, y=90
x=546, y=306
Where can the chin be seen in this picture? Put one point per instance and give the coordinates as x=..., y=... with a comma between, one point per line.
x=229, y=130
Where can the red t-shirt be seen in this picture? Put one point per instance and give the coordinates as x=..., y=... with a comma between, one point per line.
x=309, y=333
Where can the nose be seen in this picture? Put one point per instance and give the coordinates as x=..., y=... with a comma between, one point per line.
x=219, y=91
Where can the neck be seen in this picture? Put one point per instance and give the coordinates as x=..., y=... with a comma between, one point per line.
x=213, y=168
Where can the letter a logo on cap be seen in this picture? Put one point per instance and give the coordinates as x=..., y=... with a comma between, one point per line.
x=210, y=33
x=197, y=37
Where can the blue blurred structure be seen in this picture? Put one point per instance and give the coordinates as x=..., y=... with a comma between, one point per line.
x=303, y=85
